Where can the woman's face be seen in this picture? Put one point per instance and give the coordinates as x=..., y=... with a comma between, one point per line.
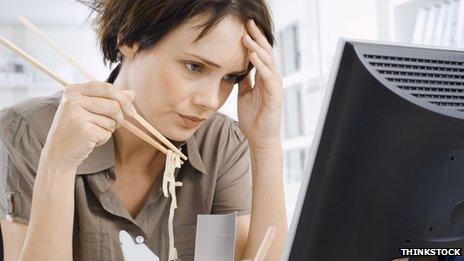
x=178, y=78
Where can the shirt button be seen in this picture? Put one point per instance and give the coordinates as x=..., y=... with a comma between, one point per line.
x=139, y=240
x=9, y=217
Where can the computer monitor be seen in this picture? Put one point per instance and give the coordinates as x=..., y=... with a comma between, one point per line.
x=386, y=169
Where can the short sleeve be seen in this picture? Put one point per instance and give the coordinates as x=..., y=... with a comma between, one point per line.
x=233, y=186
x=20, y=150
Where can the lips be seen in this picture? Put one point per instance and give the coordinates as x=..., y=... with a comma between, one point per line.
x=190, y=121
x=192, y=118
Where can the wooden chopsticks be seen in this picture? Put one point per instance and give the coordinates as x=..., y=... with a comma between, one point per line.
x=129, y=126
x=68, y=58
x=132, y=128
x=33, y=61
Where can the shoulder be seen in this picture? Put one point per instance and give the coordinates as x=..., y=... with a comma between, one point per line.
x=221, y=142
x=34, y=113
x=218, y=129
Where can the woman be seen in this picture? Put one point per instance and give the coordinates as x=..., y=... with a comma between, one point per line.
x=72, y=179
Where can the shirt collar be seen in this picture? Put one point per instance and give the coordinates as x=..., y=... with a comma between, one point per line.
x=102, y=157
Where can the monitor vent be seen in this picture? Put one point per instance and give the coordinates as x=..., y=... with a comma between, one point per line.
x=439, y=82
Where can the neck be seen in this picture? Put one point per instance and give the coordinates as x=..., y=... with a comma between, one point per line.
x=130, y=149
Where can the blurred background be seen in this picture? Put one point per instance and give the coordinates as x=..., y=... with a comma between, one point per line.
x=307, y=34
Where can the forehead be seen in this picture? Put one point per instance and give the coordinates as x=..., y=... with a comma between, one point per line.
x=222, y=44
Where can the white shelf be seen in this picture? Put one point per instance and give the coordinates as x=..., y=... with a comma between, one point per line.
x=403, y=15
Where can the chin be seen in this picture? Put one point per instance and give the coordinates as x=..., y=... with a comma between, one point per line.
x=179, y=134
x=178, y=131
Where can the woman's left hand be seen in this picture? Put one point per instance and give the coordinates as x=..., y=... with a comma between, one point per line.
x=260, y=106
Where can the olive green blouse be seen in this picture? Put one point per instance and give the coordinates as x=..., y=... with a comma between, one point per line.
x=216, y=179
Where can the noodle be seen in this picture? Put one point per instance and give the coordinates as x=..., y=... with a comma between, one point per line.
x=169, y=187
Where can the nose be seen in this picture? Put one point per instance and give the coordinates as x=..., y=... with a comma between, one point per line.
x=208, y=96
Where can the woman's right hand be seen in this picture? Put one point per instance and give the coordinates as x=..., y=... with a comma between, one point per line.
x=87, y=116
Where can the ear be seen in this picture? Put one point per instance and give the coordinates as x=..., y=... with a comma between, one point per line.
x=129, y=51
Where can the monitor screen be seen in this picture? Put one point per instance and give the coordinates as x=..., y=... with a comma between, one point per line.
x=386, y=169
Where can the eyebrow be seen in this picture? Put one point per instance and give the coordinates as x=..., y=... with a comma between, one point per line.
x=213, y=64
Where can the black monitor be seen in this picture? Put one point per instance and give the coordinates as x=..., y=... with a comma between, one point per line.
x=386, y=169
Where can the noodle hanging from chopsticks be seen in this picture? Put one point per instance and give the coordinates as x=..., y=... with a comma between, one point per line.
x=169, y=187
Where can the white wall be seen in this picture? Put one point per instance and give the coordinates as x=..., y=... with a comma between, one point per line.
x=65, y=22
x=348, y=19
x=64, y=11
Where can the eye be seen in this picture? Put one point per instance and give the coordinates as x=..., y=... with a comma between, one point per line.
x=240, y=77
x=194, y=67
x=231, y=78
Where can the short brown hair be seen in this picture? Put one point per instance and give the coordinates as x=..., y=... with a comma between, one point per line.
x=146, y=22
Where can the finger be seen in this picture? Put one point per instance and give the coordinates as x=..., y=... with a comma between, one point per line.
x=258, y=36
x=103, y=106
x=129, y=93
x=263, y=54
x=244, y=85
x=99, y=135
x=261, y=68
x=108, y=91
x=105, y=122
